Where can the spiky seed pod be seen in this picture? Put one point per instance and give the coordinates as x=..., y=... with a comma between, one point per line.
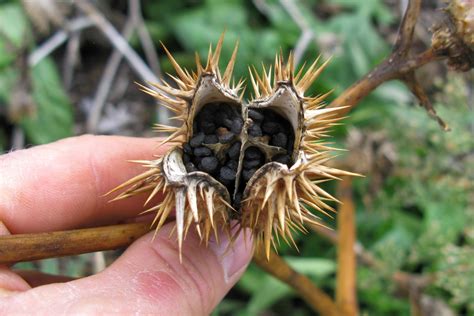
x=454, y=37
x=258, y=162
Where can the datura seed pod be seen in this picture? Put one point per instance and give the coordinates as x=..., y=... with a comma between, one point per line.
x=257, y=163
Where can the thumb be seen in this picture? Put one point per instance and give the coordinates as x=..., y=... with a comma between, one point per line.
x=150, y=279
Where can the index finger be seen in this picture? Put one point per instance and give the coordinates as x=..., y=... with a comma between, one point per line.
x=61, y=185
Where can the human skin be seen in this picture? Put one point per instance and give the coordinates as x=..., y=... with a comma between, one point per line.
x=60, y=186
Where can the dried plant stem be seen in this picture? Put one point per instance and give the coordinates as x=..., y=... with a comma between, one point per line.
x=346, y=294
x=28, y=247
x=107, y=80
x=399, y=65
x=315, y=297
x=57, y=40
x=117, y=41
x=389, y=69
x=133, y=24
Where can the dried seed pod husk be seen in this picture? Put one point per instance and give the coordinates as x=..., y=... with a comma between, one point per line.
x=280, y=198
x=259, y=162
x=454, y=36
x=462, y=13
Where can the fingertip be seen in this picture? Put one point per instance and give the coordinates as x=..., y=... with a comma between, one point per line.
x=61, y=185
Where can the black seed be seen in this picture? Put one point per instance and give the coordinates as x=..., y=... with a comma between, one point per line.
x=208, y=127
x=186, y=158
x=248, y=164
x=248, y=173
x=211, y=139
x=234, y=150
x=282, y=158
x=270, y=127
x=187, y=148
x=232, y=164
x=226, y=138
x=190, y=167
x=195, y=127
x=255, y=130
x=209, y=164
x=219, y=118
x=255, y=116
x=202, y=152
x=279, y=139
x=197, y=140
x=253, y=153
x=237, y=125
x=227, y=174
x=227, y=123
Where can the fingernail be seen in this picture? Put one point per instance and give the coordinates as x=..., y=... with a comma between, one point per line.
x=235, y=258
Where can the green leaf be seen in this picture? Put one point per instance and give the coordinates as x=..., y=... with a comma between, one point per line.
x=266, y=290
x=376, y=295
x=8, y=78
x=393, y=247
x=442, y=223
x=315, y=267
x=270, y=291
x=53, y=119
x=372, y=8
x=359, y=58
x=14, y=28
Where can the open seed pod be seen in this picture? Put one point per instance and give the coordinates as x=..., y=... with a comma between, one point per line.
x=258, y=163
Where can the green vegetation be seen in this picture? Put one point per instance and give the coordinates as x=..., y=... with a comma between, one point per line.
x=414, y=214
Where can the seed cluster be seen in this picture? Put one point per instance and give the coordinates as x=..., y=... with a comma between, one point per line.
x=219, y=139
x=274, y=130
x=215, y=146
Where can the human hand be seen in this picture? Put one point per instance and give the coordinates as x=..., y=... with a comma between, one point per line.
x=60, y=186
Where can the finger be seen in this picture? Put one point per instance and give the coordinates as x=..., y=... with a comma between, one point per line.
x=61, y=185
x=36, y=278
x=147, y=279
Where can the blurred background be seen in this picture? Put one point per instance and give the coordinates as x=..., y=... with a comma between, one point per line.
x=61, y=75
